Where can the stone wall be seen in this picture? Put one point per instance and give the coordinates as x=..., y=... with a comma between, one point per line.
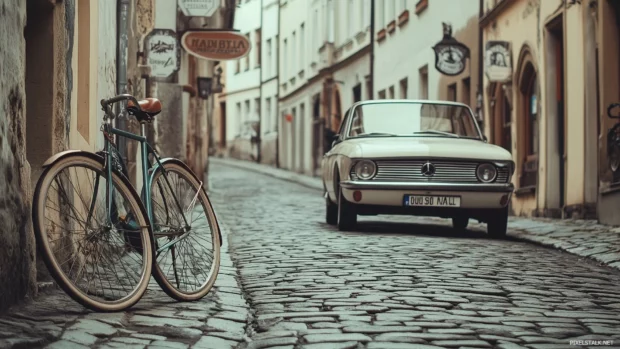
x=17, y=248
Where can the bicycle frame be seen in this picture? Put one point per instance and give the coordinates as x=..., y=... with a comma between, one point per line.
x=145, y=150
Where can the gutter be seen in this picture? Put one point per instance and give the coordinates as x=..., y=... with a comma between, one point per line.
x=122, y=18
x=372, y=49
x=480, y=65
x=260, y=84
x=279, y=119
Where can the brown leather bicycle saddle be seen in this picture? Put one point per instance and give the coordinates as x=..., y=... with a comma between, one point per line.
x=145, y=110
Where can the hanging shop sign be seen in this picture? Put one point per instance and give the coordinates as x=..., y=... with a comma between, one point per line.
x=450, y=55
x=199, y=8
x=498, y=61
x=216, y=45
x=162, y=53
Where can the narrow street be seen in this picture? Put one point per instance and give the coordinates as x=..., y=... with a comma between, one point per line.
x=398, y=282
x=393, y=284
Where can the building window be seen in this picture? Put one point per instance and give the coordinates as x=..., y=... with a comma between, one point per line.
x=330, y=21
x=267, y=118
x=237, y=66
x=380, y=14
x=246, y=114
x=269, y=59
x=257, y=35
x=391, y=92
x=294, y=54
x=466, y=94
x=351, y=18
x=390, y=11
x=257, y=114
x=368, y=89
x=423, y=82
x=382, y=94
x=315, y=32
x=239, y=119
x=403, y=88
x=302, y=47
x=452, y=92
x=247, y=58
x=285, y=60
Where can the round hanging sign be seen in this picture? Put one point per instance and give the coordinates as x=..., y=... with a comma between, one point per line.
x=216, y=45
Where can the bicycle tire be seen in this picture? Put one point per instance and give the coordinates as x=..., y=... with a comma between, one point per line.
x=176, y=166
x=121, y=184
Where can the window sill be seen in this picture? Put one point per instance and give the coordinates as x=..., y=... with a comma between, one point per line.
x=421, y=6
x=403, y=18
x=381, y=35
x=391, y=27
x=613, y=188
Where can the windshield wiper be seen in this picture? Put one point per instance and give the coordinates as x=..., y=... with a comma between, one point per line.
x=375, y=134
x=438, y=132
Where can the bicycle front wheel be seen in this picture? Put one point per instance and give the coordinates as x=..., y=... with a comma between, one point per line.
x=186, y=234
x=104, y=264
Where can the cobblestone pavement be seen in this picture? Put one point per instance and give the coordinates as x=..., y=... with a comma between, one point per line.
x=54, y=320
x=585, y=238
x=400, y=282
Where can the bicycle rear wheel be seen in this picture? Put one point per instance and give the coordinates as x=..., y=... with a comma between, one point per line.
x=187, y=270
x=91, y=260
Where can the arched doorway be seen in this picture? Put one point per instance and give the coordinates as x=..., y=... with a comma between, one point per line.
x=527, y=127
x=502, y=111
x=336, y=110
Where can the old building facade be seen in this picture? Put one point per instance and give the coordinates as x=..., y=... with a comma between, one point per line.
x=93, y=50
x=544, y=104
x=405, y=61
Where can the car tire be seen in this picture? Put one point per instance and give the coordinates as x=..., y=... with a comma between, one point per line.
x=347, y=217
x=331, y=211
x=497, y=225
x=460, y=223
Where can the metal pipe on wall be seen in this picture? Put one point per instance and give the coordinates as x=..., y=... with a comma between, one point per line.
x=279, y=117
x=259, y=136
x=121, y=68
x=372, y=49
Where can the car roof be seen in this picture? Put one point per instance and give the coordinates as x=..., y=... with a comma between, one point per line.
x=426, y=101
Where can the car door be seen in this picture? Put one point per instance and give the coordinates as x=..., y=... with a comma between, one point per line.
x=330, y=158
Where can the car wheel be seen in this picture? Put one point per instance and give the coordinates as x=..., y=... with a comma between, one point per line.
x=497, y=225
x=331, y=212
x=347, y=217
x=460, y=223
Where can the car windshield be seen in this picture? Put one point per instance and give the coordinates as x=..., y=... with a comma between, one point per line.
x=412, y=119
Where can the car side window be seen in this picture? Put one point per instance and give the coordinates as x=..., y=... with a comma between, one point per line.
x=343, y=125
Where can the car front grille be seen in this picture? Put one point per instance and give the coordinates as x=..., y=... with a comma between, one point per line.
x=445, y=171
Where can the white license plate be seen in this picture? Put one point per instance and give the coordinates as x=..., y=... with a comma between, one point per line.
x=432, y=201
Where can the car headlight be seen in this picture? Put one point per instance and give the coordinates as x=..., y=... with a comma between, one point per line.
x=365, y=169
x=486, y=173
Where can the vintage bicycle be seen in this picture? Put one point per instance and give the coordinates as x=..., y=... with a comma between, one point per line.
x=102, y=241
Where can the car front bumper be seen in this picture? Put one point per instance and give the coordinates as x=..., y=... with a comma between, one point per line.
x=473, y=196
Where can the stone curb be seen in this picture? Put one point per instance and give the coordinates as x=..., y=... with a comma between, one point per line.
x=607, y=235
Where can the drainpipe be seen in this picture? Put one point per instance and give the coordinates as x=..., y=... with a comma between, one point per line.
x=480, y=65
x=372, y=48
x=260, y=96
x=121, y=68
x=279, y=117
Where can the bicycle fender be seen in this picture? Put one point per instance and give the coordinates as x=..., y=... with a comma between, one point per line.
x=184, y=165
x=58, y=156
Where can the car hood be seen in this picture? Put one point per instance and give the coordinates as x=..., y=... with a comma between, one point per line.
x=432, y=147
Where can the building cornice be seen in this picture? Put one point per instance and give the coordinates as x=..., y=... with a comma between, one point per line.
x=230, y=93
x=495, y=12
x=327, y=71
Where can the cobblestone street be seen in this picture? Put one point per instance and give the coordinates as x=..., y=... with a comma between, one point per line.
x=399, y=281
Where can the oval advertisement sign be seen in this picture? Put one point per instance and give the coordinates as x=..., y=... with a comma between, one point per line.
x=216, y=45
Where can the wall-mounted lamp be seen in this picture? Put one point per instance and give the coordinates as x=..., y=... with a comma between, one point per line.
x=204, y=87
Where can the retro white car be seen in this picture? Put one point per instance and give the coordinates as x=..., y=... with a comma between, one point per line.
x=416, y=157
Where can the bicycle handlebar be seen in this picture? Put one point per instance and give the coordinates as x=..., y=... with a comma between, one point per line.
x=105, y=103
